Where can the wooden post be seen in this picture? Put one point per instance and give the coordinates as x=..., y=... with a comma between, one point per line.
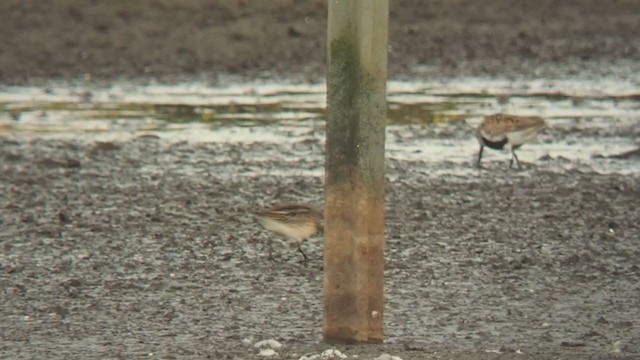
x=354, y=181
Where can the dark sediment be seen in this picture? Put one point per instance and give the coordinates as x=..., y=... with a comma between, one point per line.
x=165, y=40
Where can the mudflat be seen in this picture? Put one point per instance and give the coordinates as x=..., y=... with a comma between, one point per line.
x=169, y=40
x=140, y=246
x=144, y=247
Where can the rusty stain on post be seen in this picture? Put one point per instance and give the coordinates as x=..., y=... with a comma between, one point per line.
x=354, y=203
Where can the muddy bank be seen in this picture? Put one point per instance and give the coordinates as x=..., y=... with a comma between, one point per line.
x=144, y=246
x=165, y=40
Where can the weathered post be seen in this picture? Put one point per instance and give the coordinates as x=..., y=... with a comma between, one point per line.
x=354, y=180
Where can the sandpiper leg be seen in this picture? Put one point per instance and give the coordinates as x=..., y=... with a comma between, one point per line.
x=480, y=155
x=302, y=252
x=514, y=156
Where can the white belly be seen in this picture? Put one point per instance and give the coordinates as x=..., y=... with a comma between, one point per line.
x=519, y=137
x=293, y=232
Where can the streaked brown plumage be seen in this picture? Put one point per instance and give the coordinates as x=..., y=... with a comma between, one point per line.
x=296, y=222
x=503, y=131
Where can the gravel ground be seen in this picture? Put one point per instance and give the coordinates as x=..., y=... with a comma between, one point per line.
x=144, y=246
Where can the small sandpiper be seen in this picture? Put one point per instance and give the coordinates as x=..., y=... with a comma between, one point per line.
x=295, y=222
x=503, y=131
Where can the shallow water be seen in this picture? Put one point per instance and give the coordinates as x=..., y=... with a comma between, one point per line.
x=589, y=120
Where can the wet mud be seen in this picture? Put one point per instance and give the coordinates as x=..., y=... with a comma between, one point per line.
x=144, y=247
x=157, y=40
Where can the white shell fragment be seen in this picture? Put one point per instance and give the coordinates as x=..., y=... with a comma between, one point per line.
x=333, y=354
x=267, y=352
x=327, y=354
x=387, y=357
x=269, y=343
